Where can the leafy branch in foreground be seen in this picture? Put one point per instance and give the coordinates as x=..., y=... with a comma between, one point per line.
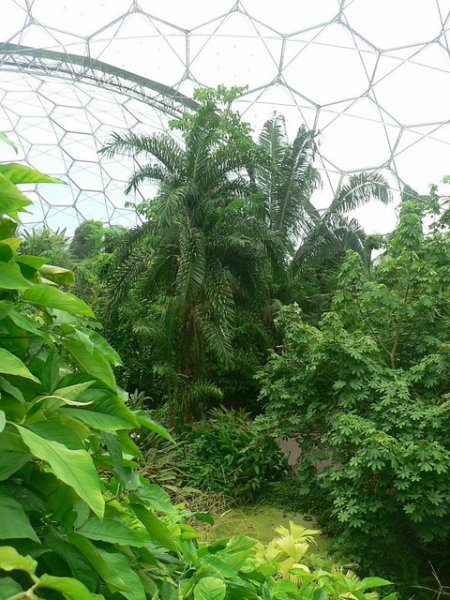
x=78, y=520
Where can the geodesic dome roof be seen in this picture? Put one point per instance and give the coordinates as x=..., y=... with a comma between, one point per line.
x=373, y=76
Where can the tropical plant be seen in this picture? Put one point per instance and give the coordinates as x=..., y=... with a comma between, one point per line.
x=226, y=453
x=201, y=246
x=367, y=392
x=78, y=519
x=51, y=245
x=87, y=240
x=288, y=181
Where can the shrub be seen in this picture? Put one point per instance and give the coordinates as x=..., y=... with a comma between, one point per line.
x=227, y=453
x=367, y=390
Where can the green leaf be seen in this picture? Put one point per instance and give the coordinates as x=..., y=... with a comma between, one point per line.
x=210, y=588
x=113, y=568
x=5, y=139
x=5, y=308
x=7, y=228
x=11, y=560
x=90, y=360
x=156, y=528
x=238, y=549
x=12, y=390
x=52, y=297
x=12, y=201
x=151, y=425
x=283, y=587
x=79, y=567
x=73, y=467
x=14, y=523
x=114, y=532
x=107, y=411
x=204, y=517
x=2, y=420
x=133, y=587
x=18, y=174
x=10, y=462
x=11, y=365
x=35, y=262
x=58, y=274
x=70, y=588
x=370, y=582
x=8, y=588
x=53, y=430
x=156, y=496
x=25, y=323
x=101, y=344
x=11, y=278
x=128, y=478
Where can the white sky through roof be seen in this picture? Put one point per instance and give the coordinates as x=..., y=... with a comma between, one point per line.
x=373, y=76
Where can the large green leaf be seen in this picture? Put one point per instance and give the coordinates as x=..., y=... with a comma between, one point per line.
x=10, y=462
x=11, y=277
x=34, y=262
x=69, y=588
x=9, y=588
x=210, y=588
x=114, y=532
x=11, y=365
x=90, y=359
x=14, y=521
x=58, y=274
x=78, y=565
x=105, y=348
x=129, y=478
x=148, y=423
x=106, y=412
x=237, y=551
x=52, y=297
x=156, y=496
x=11, y=560
x=7, y=228
x=133, y=588
x=12, y=201
x=53, y=430
x=156, y=528
x=73, y=467
x=116, y=572
x=370, y=582
x=11, y=389
x=17, y=174
x=24, y=322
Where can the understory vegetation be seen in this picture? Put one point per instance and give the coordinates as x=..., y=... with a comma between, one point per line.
x=148, y=375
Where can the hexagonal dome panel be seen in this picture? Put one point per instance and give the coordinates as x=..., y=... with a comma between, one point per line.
x=373, y=78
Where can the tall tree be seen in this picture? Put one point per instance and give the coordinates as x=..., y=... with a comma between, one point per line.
x=202, y=244
x=288, y=182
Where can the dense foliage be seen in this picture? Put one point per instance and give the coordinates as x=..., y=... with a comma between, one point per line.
x=227, y=453
x=366, y=391
x=197, y=284
x=78, y=519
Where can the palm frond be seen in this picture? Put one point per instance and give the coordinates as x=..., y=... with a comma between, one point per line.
x=360, y=189
x=191, y=263
x=150, y=172
x=160, y=146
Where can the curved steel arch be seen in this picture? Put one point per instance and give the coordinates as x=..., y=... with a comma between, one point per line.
x=62, y=65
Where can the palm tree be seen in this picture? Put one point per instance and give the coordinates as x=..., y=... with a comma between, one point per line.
x=307, y=234
x=201, y=244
